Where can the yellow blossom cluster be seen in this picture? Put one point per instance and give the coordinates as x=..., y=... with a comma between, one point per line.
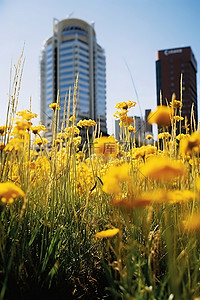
x=122, y=111
x=86, y=123
x=143, y=151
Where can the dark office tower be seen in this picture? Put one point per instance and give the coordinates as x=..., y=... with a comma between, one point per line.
x=72, y=50
x=170, y=64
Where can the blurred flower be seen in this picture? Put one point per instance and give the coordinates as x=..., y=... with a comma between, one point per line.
x=190, y=144
x=9, y=191
x=192, y=223
x=114, y=177
x=106, y=146
x=161, y=116
x=107, y=233
x=162, y=168
x=21, y=124
x=14, y=145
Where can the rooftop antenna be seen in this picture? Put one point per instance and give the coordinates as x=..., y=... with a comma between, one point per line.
x=69, y=16
x=137, y=98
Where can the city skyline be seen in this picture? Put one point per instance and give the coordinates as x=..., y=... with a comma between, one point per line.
x=131, y=37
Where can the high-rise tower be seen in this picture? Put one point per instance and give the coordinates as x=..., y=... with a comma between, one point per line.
x=72, y=50
x=170, y=64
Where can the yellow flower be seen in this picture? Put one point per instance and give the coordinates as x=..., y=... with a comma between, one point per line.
x=149, y=137
x=164, y=135
x=54, y=106
x=161, y=168
x=181, y=136
x=190, y=144
x=3, y=129
x=177, y=196
x=161, y=116
x=86, y=123
x=9, y=191
x=37, y=129
x=106, y=146
x=27, y=114
x=178, y=118
x=131, y=129
x=14, y=145
x=107, y=233
x=143, y=151
x=125, y=105
x=39, y=141
x=22, y=124
x=114, y=177
x=126, y=121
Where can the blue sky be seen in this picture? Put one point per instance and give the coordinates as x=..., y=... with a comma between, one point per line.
x=130, y=31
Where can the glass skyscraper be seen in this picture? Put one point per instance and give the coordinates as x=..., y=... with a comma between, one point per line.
x=72, y=50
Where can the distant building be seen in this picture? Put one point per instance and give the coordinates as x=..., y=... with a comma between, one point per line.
x=72, y=50
x=142, y=127
x=170, y=64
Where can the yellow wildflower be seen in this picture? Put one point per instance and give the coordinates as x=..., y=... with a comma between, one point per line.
x=161, y=116
x=3, y=129
x=125, y=105
x=131, y=129
x=9, y=191
x=190, y=144
x=86, y=123
x=181, y=136
x=178, y=118
x=164, y=135
x=126, y=121
x=107, y=233
x=54, y=106
x=143, y=151
x=161, y=168
x=22, y=124
x=14, y=145
x=37, y=129
x=149, y=137
x=39, y=141
x=114, y=177
x=106, y=146
x=26, y=114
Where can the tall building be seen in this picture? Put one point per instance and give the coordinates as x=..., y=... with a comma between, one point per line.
x=72, y=50
x=170, y=64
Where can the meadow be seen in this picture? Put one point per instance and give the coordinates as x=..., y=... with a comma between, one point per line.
x=99, y=219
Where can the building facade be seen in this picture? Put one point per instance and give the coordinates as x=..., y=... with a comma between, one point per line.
x=170, y=64
x=72, y=50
